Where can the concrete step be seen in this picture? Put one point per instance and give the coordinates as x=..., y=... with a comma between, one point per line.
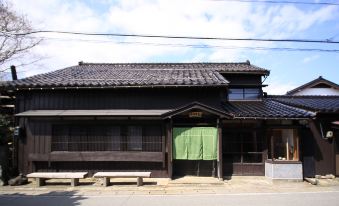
x=195, y=181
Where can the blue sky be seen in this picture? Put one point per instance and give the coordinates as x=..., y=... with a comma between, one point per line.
x=185, y=18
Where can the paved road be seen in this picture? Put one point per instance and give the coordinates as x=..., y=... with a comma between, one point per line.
x=253, y=199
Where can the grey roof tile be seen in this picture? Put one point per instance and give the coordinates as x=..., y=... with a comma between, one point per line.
x=137, y=74
x=312, y=103
x=266, y=108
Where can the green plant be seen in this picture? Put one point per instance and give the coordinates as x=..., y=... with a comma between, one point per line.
x=6, y=129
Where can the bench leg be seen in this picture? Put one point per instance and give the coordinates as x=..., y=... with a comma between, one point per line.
x=139, y=181
x=106, y=181
x=40, y=181
x=74, y=182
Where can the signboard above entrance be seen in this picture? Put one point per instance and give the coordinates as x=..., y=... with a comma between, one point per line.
x=195, y=114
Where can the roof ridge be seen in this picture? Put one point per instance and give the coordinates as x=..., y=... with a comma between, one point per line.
x=160, y=63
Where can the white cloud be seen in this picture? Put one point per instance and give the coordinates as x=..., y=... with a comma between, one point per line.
x=279, y=87
x=162, y=17
x=310, y=58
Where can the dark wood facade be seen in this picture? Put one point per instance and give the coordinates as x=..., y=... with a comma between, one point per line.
x=242, y=144
x=319, y=151
x=35, y=147
x=149, y=98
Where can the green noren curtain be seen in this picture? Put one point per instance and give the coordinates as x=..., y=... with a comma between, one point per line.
x=195, y=143
x=180, y=136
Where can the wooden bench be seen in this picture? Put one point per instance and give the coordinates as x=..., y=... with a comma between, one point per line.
x=107, y=175
x=40, y=177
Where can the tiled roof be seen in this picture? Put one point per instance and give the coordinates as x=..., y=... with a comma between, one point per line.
x=319, y=80
x=265, y=109
x=137, y=74
x=312, y=103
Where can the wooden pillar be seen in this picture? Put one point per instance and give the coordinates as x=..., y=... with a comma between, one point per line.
x=169, y=144
x=163, y=146
x=220, y=161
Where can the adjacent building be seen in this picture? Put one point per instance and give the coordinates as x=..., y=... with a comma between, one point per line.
x=319, y=86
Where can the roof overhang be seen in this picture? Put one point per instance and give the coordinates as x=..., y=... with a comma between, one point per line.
x=91, y=113
x=197, y=106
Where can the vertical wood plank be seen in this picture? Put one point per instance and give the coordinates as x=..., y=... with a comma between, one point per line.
x=29, y=142
x=220, y=159
x=48, y=137
x=163, y=141
x=40, y=128
x=169, y=158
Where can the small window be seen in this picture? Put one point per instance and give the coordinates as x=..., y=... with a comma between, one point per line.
x=284, y=145
x=243, y=93
x=251, y=93
x=236, y=94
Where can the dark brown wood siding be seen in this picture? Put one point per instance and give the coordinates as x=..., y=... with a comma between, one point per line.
x=243, y=79
x=35, y=148
x=150, y=98
x=324, y=149
x=35, y=152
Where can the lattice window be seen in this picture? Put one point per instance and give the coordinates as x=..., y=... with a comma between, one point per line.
x=106, y=138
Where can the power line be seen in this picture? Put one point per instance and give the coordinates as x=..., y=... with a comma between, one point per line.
x=282, y=2
x=197, y=46
x=323, y=41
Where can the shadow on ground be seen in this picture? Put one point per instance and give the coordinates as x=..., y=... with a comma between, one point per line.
x=54, y=198
x=131, y=183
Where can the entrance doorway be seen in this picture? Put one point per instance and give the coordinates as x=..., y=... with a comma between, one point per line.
x=243, y=151
x=194, y=151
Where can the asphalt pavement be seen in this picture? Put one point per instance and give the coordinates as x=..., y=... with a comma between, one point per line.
x=323, y=198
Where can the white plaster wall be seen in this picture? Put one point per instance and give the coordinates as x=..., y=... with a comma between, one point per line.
x=317, y=91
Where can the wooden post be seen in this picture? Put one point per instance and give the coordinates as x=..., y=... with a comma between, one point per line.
x=287, y=150
x=163, y=146
x=74, y=182
x=106, y=181
x=272, y=146
x=220, y=163
x=169, y=158
x=139, y=181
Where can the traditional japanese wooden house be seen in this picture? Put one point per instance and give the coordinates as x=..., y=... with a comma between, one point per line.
x=204, y=119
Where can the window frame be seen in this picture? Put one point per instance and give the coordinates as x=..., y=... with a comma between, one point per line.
x=244, y=94
x=296, y=151
x=240, y=140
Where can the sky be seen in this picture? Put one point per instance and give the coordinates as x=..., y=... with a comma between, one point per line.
x=204, y=18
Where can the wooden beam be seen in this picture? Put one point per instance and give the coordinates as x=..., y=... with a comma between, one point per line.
x=97, y=156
